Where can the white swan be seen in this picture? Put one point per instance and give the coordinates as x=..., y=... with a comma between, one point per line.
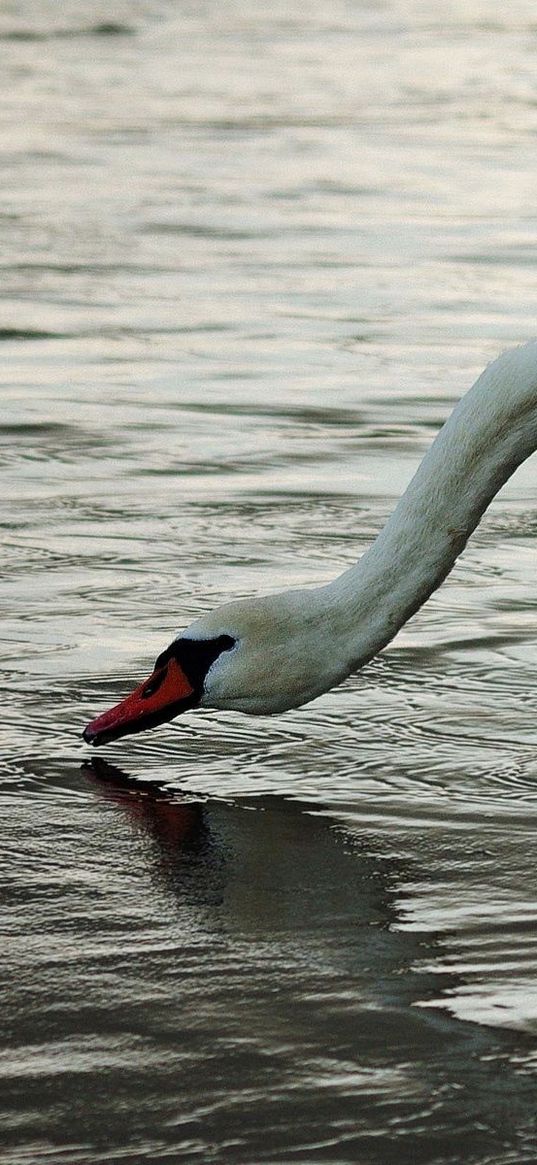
x=267, y=654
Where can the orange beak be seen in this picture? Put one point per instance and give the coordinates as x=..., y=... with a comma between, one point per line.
x=167, y=692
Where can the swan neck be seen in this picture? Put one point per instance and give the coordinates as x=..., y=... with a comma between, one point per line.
x=489, y=434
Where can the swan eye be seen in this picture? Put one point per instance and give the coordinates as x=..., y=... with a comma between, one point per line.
x=154, y=683
x=194, y=657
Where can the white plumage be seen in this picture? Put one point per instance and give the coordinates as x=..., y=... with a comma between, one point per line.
x=267, y=654
x=294, y=645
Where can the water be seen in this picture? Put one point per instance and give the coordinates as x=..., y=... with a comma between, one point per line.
x=249, y=259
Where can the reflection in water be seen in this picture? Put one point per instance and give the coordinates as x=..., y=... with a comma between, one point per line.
x=185, y=975
x=258, y=998
x=185, y=846
x=173, y=822
x=280, y=869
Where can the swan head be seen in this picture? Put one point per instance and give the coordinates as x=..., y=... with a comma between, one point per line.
x=259, y=656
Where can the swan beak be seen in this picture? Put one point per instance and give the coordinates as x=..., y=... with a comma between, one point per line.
x=167, y=692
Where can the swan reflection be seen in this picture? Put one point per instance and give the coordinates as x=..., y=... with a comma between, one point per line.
x=282, y=978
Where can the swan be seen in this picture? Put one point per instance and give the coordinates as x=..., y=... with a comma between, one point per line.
x=268, y=654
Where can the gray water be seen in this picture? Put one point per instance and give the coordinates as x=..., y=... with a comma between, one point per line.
x=249, y=258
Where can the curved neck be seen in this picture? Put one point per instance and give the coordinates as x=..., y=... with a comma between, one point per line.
x=489, y=434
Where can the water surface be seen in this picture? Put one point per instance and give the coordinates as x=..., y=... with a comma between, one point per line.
x=249, y=261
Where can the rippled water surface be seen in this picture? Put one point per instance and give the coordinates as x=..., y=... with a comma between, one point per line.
x=250, y=257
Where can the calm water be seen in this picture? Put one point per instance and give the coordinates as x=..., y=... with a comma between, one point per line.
x=250, y=256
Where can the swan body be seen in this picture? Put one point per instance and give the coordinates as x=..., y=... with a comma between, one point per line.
x=267, y=654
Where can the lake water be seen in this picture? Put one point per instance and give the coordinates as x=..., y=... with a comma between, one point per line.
x=250, y=257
